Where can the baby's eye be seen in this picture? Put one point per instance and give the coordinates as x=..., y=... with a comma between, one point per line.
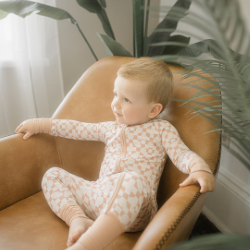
x=127, y=100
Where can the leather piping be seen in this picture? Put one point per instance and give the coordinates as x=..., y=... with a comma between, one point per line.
x=172, y=228
x=58, y=151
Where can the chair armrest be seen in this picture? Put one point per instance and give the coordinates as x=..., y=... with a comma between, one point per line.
x=175, y=219
x=23, y=164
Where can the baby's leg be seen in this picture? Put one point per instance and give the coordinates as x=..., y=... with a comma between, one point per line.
x=104, y=230
x=129, y=209
x=78, y=222
x=61, y=190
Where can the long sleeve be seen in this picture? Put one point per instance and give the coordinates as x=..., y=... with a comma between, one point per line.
x=76, y=130
x=183, y=158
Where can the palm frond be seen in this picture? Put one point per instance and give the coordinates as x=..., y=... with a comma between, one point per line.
x=225, y=69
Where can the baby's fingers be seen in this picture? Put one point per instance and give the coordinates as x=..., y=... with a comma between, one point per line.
x=27, y=135
x=206, y=186
x=187, y=182
x=19, y=127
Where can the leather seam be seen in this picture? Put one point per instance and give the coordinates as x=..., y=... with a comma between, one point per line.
x=20, y=200
x=58, y=151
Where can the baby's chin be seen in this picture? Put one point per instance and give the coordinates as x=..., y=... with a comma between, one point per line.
x=129, y=124
x=121, y=122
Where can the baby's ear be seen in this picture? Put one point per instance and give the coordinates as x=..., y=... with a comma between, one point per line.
x=155, y=110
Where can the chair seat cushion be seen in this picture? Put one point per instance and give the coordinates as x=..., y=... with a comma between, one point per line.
x=31, y=224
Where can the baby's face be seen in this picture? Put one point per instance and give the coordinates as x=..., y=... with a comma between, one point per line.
x=130, y=105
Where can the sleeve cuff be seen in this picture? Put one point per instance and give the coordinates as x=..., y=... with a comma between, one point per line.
x=198, y=164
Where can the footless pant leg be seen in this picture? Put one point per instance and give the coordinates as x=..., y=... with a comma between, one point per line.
x=60, y=189
x=129, y=209
x=132, y=202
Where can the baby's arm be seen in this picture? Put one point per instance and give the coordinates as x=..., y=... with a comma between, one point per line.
x=187, y=161
x=34, y=126
x=200, y=173
x=70, y=129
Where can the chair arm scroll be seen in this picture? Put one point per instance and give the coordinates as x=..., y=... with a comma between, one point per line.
x=175, y=219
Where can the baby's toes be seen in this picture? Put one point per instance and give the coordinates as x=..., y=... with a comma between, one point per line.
x=69, y=243
x=73, y=238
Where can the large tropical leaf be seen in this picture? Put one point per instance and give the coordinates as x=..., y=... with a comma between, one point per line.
x=213, y=47
x=169, y=22
x=112, y=47
x=3, y=14
x=98, y=7
x=176, y=48
x=214, y=242
x=25, y=8
x=225, y=64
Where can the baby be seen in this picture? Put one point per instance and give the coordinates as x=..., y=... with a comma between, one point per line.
x=123, y=199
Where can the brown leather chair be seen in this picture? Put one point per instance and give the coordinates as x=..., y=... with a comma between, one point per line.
x=26, y=220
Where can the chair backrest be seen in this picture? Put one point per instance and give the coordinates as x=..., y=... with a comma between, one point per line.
x=89, y=101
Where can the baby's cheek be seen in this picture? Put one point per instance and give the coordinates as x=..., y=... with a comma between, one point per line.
x=112, y=104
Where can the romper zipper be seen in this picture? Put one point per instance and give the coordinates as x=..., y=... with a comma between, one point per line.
x=124, y=149
x=123, y=139
x=122, y=175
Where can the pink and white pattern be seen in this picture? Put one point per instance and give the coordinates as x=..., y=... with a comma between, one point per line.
x=130, y=172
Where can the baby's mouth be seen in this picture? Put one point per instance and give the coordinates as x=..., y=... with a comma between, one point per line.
x=116, y=114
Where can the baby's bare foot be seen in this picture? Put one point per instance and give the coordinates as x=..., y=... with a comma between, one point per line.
x=77, y=246
x=78, y=226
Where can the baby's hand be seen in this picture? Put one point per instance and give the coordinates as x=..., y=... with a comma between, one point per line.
x=26, y=125
x=205, y=179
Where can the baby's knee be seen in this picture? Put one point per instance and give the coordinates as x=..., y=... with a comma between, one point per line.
x=52, y=172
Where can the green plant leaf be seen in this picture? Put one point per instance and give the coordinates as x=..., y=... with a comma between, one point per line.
x=217, y=241
x=211, y=46
x=230, y=68
x=25, y=8
x=138, y=26
x=181, y=6
x=112, y=47
x=3, y=14
x=172, y=49
x=90, y=5
x=94, y=6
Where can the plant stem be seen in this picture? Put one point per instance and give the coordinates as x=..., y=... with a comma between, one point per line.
x=146, y=30
x=134, y=32
x=75, y=22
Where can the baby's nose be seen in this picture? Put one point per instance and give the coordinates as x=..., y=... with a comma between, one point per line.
x=116, y=103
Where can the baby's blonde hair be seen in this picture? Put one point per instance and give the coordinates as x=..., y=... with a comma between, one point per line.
x=156, y=75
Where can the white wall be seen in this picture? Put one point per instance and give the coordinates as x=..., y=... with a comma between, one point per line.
x=228, y=207
x=75, y=55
